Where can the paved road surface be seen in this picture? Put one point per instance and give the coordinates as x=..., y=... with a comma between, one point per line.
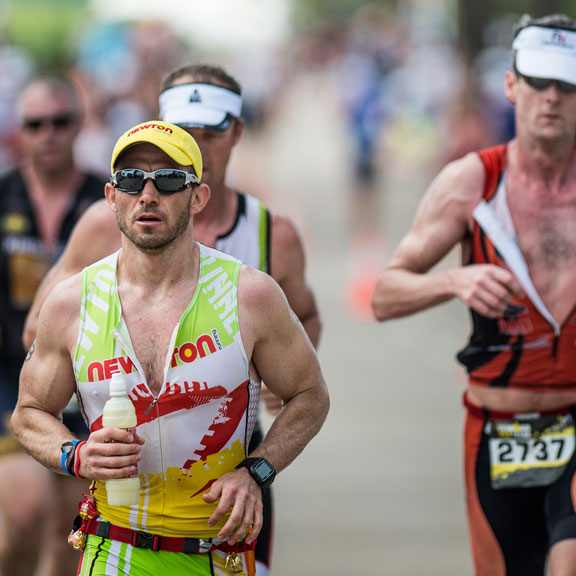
x=379, y=491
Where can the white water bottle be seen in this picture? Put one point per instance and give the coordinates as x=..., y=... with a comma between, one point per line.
x=119, y=412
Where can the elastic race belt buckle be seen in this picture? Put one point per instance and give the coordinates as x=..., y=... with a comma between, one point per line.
x=145, y=541
x=204, y=546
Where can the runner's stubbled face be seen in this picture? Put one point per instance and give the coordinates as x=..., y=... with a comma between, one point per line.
x=150, y=220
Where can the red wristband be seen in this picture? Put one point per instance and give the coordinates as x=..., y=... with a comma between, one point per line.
x=77, y=460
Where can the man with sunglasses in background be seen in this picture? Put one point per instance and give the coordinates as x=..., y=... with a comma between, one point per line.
x=40, y=202
x=193, y=331
x=512, y=208
x=206, y=102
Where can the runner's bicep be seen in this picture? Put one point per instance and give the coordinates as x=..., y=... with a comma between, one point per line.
x=47, y=376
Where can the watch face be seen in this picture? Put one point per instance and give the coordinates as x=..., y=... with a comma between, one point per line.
x=263, y=470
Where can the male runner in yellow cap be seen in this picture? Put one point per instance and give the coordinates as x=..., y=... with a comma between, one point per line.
x=193, y=331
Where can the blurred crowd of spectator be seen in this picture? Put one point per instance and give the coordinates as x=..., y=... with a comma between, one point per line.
x=406, y=88
x=402, y=86
x=117, y=67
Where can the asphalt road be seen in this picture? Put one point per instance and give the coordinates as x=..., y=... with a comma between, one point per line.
x=379, y=490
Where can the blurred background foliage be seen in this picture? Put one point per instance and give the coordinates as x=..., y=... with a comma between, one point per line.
x=46, y=28
x=471, y=17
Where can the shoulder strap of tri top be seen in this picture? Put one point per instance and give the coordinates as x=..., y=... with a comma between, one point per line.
x=494, y=160
x=260, y=214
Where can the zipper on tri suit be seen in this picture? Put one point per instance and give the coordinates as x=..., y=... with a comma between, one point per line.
x=152, y=404
x=555, y=342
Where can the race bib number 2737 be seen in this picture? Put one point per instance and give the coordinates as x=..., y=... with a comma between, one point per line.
x=529, y=451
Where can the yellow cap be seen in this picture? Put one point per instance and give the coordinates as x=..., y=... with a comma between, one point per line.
x=172, y=139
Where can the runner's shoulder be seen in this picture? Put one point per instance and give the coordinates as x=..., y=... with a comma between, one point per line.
x=99, y=214
x=286, y=235
x=61, y=308
x=460, y=183
x=467, y=170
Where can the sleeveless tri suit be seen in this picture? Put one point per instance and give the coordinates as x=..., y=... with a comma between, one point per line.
x=249, y=238
x=518, y=467
x=200, y=425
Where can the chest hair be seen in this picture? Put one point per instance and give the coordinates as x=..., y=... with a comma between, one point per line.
x=151, y=327
x=546, y=234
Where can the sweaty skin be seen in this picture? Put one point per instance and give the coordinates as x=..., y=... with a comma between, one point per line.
x=160, y=281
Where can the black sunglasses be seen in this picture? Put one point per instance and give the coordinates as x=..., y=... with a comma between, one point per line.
x=166, y=180
x=544, y=83
x=59, y=122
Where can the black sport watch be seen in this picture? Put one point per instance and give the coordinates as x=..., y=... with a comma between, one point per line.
x=260, y=469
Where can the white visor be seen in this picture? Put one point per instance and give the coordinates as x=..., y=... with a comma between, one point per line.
x=199, y=105
x=546, y=53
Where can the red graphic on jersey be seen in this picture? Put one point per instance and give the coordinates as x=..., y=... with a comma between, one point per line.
x=223, y=426
x=190, y=351
x=204, y=488
x=185, y=354
x=515, y=326
x=104, y=370
x=187, y=396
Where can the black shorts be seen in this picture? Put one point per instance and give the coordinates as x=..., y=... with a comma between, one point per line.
x=513, y=529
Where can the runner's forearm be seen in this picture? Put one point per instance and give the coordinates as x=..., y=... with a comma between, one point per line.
x=400, y=293
x=31, y=427
x=313, y=327
x=298, y=422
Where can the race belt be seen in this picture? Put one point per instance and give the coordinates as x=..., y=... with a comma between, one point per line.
x=530, y=450
x=89, y=523
x=155, y=542
x=147, y=541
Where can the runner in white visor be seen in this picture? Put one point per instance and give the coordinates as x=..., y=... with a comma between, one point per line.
x=544, y=55
x=200, y=106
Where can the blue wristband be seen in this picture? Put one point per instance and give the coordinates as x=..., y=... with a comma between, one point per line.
x=67, y=448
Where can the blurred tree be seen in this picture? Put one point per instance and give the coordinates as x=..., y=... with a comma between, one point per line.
x=45, y=28
x=309, y=12
x=474, y=17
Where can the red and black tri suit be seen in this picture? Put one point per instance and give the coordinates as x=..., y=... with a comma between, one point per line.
x=512, y=529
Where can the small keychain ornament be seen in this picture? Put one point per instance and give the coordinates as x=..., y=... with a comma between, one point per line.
x=234, y=563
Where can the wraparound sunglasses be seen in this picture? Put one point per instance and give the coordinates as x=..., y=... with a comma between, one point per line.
x=543, y=83
x=166, y=180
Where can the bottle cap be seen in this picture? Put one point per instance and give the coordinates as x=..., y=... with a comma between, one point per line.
x=117, y=385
